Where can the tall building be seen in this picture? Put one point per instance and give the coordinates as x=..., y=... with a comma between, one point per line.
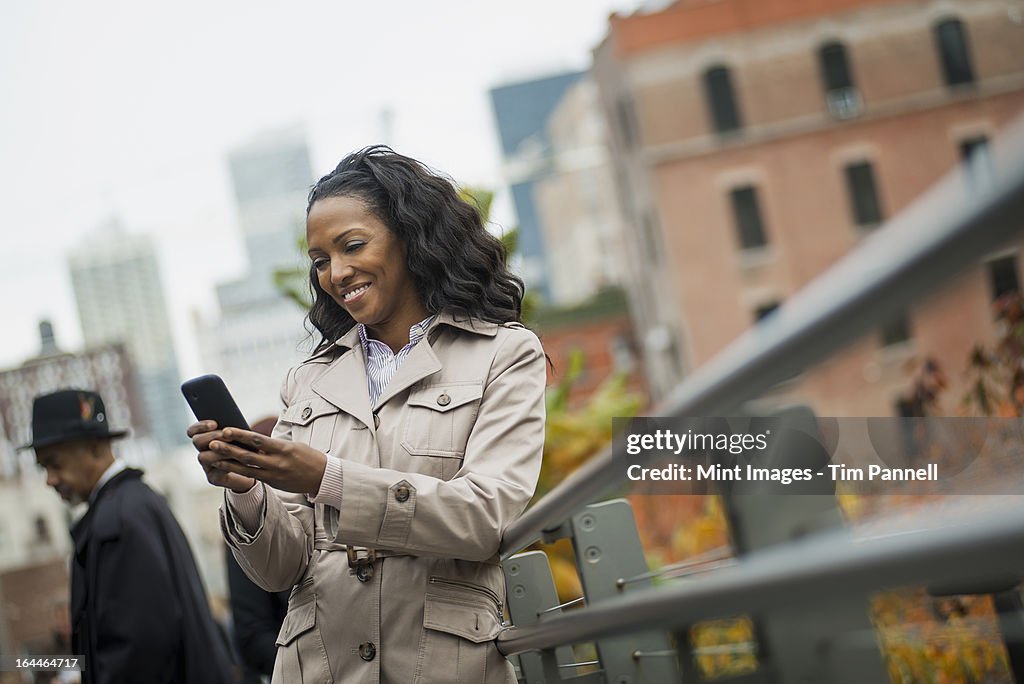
x=521, y=112
x=757, y=142
x=260, y=332
x=116, y=280
x=575, y=200
x=271, y=176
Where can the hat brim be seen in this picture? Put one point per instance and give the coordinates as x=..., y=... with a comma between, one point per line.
x=60, y=439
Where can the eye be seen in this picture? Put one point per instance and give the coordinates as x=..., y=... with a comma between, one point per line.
x=320, y=263
x=354, y=246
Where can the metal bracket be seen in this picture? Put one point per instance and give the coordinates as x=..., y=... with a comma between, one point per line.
x=531, y=598
x=608, y=550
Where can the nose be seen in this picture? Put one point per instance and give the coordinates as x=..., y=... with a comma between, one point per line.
x=51, y=479
x=341, y=271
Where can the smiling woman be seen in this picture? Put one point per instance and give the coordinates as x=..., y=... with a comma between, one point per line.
x=360, y=264
x=406, y=445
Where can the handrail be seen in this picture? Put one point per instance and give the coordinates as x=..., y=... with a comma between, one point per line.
x=951, y=226
x=980, y=547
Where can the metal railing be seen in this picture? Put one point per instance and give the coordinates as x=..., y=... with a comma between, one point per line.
x=952, y=226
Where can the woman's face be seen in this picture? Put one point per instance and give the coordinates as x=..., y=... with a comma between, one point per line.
x=361, y=264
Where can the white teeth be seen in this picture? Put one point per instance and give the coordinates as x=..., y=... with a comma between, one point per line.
x=355, y=293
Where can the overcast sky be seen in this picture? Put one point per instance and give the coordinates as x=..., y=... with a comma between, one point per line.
x=127, y=109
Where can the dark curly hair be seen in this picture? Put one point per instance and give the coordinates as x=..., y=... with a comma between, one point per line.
x=456, y=265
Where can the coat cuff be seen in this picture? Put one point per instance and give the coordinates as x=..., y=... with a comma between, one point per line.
x=331, y=484
x=247, y=507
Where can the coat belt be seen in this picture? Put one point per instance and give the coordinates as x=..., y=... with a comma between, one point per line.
x=356, y=554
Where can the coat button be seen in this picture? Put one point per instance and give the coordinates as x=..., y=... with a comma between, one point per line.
x=376, y=421
x=444, y=399
x=364, y=573
x=367, y=651
x=306, y=413
x=402, y=494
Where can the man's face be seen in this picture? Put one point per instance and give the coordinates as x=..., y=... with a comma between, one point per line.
x=71, y=469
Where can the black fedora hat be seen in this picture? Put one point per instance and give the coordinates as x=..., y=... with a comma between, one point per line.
x=68, y=415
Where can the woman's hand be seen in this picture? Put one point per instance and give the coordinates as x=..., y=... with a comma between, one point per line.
x=202, y=434
x=282, y=464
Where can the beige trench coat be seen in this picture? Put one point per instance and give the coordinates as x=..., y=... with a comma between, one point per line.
x=431, y=476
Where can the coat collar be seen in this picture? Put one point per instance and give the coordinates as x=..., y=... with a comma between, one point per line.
x=335, y=385
x=81, y=531
x=350, y=339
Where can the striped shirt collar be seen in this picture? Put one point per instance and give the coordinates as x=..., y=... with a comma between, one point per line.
x=381, y=362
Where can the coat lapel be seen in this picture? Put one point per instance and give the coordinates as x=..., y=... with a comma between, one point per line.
x=421, y=362
x=344, y=385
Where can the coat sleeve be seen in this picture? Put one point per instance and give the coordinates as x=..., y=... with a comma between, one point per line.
x=465, y=516
x=275, y=554
x=138, y=614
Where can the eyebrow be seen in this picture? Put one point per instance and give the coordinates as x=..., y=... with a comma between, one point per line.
x=336, y=239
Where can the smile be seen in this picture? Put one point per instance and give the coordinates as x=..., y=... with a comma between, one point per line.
x=352, y=295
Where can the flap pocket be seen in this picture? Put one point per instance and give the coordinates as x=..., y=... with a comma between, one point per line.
x=444, y=398
x=299, y=620
x=464, y=614
x=305, y=411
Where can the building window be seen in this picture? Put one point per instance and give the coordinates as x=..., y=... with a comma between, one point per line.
x=863, y=191
x=762, y=311
x=841, y=95
x=42, y=530
x=627, y=125
x=747, y=215
x=896, y=331
x=954, y=53
x=1002, y=275
x=725, y=114
x=974, y=153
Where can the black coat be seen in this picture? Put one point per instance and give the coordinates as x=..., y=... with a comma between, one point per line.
x=257, y=617
x=138, y=608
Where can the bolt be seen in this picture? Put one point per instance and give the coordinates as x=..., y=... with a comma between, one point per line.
x=519, y=591
x=592, y=554
x=587, y=522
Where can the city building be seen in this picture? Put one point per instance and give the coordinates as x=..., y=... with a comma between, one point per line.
x=106, y=369
x=575, y=200
x=755, y=143
x=259, y=334
x=116, y=280
x=521, y=113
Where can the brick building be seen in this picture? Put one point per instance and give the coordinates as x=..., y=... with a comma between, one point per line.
x=757, y=142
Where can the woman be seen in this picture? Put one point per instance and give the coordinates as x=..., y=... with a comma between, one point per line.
x=408, y=441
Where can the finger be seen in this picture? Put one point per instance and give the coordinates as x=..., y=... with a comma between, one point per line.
x=229, y=480
x=231, y=466
x=254, y=439
x=227, y=450
x=202, y=440
x=209, y=459
x=200, y=427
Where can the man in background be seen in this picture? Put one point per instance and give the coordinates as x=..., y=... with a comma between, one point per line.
x=138, y=609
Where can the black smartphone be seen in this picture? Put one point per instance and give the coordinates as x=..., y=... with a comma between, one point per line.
x=210, y=399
